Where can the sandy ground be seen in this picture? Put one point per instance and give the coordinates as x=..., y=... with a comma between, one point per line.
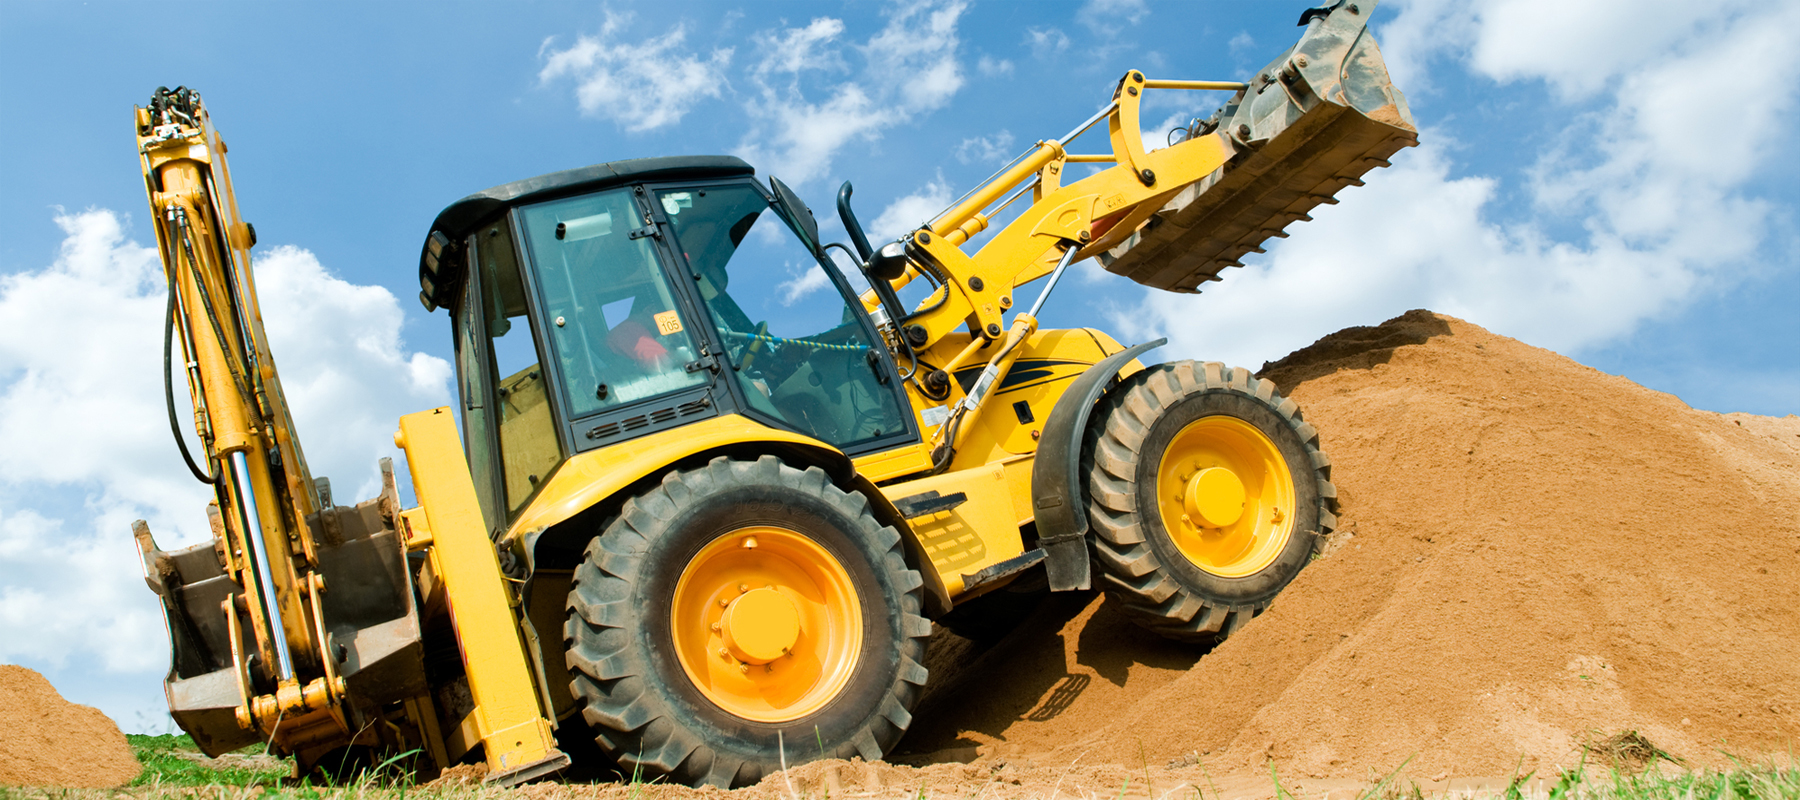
x=1532, y=555
x=48, y=741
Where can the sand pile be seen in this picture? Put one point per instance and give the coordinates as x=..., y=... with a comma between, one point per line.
x=48, y=741
x=1533, y=553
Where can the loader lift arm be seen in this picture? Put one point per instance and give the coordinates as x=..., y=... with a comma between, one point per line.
x=1308, y=125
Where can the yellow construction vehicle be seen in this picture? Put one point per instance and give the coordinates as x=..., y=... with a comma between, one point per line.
x=703, y=494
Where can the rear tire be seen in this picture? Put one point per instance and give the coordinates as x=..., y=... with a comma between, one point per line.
x=1178, y=442
x=650, y=618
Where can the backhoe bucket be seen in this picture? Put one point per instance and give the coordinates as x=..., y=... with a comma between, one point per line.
x=369, y=622
x=1312, y=122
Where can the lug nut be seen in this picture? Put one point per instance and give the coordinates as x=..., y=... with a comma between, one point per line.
x=743, y=587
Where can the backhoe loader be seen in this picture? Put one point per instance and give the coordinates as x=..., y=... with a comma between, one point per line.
x=703, y=493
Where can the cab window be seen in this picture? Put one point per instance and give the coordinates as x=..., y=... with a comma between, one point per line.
x=798, y=346
x=618, y=334
x=528, y=444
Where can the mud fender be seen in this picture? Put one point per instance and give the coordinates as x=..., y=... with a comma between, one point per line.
x=1062, y=522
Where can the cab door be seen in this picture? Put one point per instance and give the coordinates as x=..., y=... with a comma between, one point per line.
x=799, y=350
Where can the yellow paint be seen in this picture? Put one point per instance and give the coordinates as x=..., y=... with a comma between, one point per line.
x=1051, y=361
x=1225, y=496
x=590, y=477
x=1024, y=250
x=760, y=626
x=982, y=531
x=236, y=391
x=899, y=461
x=1215, y=497
x=766, y=623
x=514, y=730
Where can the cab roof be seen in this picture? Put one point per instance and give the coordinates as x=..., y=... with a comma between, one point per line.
x=463, y=216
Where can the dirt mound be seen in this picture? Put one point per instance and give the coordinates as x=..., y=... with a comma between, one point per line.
x=48, y=741
x=1533, y=554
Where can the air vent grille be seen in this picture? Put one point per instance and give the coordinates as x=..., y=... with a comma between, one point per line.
x=657, y=417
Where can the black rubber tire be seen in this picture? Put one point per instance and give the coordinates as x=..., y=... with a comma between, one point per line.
x=1137, y=561
x=647, y=714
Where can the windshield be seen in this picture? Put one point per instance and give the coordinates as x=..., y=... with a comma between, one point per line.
x=799, y=348
x=617, y=332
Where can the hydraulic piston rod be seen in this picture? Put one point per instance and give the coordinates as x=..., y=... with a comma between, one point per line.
x=254, y=548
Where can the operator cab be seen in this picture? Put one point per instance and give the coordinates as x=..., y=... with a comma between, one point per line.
x=616, y=301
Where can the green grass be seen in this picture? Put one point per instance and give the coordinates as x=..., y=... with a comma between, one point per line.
x=1739, y=783
x=1749, y=783
x=164, y=766
x=168, y=776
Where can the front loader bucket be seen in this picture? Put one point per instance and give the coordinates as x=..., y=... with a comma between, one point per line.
x=1312, y=122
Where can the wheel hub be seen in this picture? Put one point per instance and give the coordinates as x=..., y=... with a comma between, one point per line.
x=1225, y=496
x=760, y=626
x=767, y=624
x=1215, y=498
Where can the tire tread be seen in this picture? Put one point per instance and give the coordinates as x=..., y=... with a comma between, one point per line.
x=1125, y=561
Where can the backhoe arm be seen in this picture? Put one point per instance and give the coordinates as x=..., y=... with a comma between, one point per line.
x=298, y=625
x=241, y=417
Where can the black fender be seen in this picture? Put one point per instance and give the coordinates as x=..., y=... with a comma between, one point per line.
x=1062, y=522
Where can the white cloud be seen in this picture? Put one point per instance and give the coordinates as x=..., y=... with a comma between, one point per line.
x=1242, y=44
x=87, y=443
x=1046, y=42
x=344, y=366
x=796, y=50
x=1109, y=17
x=991, y=67
x=1633, y=209
x=808, y=278
x=81, y=398
x=911, y=212
x=803, y=99
x=1578, y=48
x=642, y=85
x=910, y=69
x=996, y=148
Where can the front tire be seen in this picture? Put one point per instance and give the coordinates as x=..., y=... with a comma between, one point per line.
x=1207, y=494
x=741, y=612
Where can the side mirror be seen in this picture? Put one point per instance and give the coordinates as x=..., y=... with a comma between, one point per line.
x=889, y=262
x=809, y=227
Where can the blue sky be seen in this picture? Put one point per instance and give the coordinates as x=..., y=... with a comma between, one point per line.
x=1610, y=179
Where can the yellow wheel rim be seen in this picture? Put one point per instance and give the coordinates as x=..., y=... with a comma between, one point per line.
x=1225, y=496
x=767, y=624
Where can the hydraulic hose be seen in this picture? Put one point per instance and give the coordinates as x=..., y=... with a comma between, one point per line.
x=169, y=390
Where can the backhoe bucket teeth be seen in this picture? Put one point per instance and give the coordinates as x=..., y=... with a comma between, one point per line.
x=1312, y=122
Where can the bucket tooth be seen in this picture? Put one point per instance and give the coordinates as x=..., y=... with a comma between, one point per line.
x=1297, y=142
